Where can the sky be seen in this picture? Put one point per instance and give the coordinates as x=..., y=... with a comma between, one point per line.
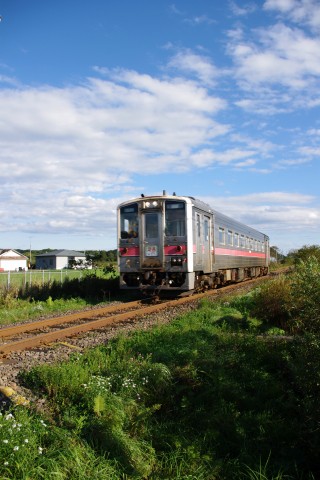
x=102, y=100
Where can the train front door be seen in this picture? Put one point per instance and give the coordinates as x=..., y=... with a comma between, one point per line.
x=152, y=238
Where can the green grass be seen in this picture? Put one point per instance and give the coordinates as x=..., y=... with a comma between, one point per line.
x=205, y=397
x=17, y=279
x=55, y=297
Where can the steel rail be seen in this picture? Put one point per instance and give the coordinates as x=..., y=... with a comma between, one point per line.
x=46, y=338
x=71, y=317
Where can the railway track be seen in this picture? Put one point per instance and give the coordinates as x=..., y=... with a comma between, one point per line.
x=43, y=332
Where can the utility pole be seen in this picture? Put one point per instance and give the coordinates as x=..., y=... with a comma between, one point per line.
x=30, y=255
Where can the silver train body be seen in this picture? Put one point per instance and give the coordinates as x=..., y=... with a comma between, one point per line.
x=178, y=244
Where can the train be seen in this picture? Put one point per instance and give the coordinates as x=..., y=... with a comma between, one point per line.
x=180, y=244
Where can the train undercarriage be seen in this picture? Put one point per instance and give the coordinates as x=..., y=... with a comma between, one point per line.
x=178, y=281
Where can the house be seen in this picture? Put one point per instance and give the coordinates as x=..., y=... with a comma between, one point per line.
x=59, y=259
x=12, y=260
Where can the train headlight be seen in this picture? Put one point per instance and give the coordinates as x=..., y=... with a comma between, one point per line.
x=152, y=204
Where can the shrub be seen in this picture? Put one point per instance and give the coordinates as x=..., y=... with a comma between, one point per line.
x=305, y=293
x=271, y=302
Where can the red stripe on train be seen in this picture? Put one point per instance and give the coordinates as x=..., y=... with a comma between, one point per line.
x=129, y=251
x=175, y=249
x=239, y=253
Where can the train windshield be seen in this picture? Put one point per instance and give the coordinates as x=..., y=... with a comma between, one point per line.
x=129, y=221
x=175, y=219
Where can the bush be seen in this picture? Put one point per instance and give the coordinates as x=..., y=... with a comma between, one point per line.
x=271, y=302
x=305, y=294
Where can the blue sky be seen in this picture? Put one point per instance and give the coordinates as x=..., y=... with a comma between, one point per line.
x=104, y=100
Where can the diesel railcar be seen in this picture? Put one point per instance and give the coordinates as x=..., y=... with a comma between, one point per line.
x=178, y=243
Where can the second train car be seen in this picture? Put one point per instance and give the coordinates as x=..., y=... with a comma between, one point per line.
x=178, y=243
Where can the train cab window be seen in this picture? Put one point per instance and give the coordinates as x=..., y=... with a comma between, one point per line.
x=175, y=219
x=222, y=238
x=151, y=225
x=230, y=237
x=129, y=221
x=236, y=239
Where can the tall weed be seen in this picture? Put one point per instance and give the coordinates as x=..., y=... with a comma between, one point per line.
x=305, y=294
x=272, y=302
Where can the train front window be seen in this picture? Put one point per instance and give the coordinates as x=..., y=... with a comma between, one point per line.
x=175, y=219
x=152, y=230
x=129, y=221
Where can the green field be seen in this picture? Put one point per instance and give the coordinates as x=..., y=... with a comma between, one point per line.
x=39, y=277
x=229, y=390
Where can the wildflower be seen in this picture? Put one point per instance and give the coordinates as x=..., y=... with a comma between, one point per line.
x=6, y=464
x=26, y=440
x=5, y=441
x=40, y=450
x=16, y=448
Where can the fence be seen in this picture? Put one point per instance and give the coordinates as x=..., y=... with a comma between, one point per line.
x=39, y=277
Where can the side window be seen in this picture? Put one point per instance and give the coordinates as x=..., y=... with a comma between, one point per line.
x=236, y=239
x=198, y=225
x=242, y=241
x=230, y=237
x=222, y=239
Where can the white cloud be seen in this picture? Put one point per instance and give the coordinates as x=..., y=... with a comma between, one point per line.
x=305, y=11
x=62, y=150
x=197, y=65
x=281, y=56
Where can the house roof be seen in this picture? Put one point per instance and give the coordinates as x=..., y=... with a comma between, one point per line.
x=62, y=253
x=17, y=254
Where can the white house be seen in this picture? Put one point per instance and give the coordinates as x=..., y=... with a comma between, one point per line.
x=12, y=260
x=59, y=259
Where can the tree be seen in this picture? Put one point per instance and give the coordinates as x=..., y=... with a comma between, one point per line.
x=304, y=253
x=276, y=255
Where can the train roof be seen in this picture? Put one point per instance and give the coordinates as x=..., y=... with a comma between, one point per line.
x=202, y=206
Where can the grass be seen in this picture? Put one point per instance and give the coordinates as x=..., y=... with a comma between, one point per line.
x=36, y=300
x=220, y=393
x=17, y=279
x=201, y=398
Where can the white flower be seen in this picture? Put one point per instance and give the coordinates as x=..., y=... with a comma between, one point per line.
x=6, y=463
x=26, y=440
x=5, y=441
x=16, y=448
